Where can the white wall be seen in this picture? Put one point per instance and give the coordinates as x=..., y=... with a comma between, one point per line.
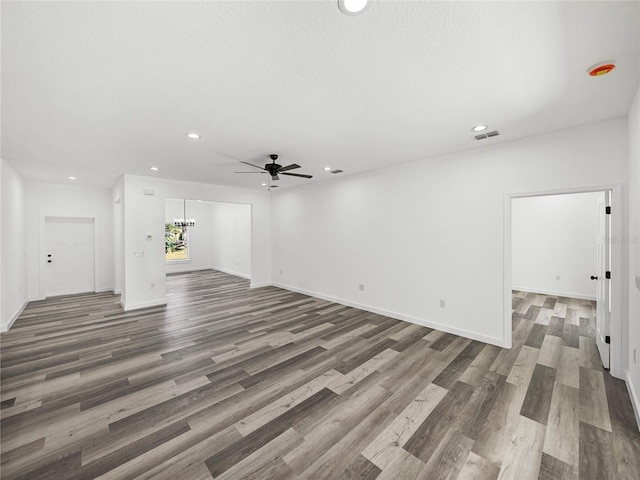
x=143, y=252
x=231, y=239
x=55, y=200
x=434, y=229
x=118, y=238
x=633, y=245
x=144, y=276
x=555, y=236
x=4, y=324
x=13, y=260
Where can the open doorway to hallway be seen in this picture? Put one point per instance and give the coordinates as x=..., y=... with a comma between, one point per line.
x=559, y=248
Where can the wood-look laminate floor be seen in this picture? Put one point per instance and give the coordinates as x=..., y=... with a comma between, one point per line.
x=232, y=383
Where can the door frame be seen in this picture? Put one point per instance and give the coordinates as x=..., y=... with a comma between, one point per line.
x=42, y=283
x=617, y=267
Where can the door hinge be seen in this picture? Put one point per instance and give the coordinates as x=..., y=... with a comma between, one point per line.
x=607, y=339
x=607, y=274
x=608, y=210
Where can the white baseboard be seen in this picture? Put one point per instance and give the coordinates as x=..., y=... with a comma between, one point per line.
x=555, y=293
x=635, y=399
x=105, y=289
x=261, y=284
x=231, y=272
x=97, y=290
x=137, y=306
x=15, y=316
x=399, y=316
x=188, y=268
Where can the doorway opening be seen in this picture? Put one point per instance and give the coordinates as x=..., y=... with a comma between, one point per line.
x=559, y=259
x=218, y=237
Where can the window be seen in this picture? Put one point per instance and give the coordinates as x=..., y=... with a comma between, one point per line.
x=175, y=242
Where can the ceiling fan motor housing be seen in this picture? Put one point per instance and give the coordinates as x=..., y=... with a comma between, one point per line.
x=273, y=167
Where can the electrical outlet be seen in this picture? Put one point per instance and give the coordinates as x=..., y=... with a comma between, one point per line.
x=557, y=277
x=637, y=281
x=280, y=272
x=443, y=304
x=635, y=360
x=361, y=287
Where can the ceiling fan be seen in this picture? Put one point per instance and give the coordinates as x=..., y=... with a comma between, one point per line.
x=274, y=169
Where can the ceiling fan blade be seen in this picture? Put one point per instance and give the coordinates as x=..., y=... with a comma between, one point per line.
x=274, y=176
x=247, y=163
x=289, y=167
x=298, y=175
x=249, y=172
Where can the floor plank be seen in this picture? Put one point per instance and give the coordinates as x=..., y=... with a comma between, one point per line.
x=597, y=460
x=562, y=435
x=538, y=399
x=523, y=455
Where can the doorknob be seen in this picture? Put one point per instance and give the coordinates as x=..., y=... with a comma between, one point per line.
x=594, y=277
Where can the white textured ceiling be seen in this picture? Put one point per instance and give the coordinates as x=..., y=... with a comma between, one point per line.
x=98, y=89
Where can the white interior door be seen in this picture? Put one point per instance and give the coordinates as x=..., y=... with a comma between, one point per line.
x=603, y=284
x=70, y=261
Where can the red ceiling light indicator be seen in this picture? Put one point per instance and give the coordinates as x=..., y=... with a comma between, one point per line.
x=601, y=69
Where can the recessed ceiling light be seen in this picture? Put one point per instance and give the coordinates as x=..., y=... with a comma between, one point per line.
x=479, y=128
x=327, y=169
x=195, y=136
x=353, y=7
x=72, y=178
x=155, y=169
x=263, y=184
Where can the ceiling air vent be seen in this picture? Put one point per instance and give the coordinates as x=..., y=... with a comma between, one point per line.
x=336, y=171
x=482, y=136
